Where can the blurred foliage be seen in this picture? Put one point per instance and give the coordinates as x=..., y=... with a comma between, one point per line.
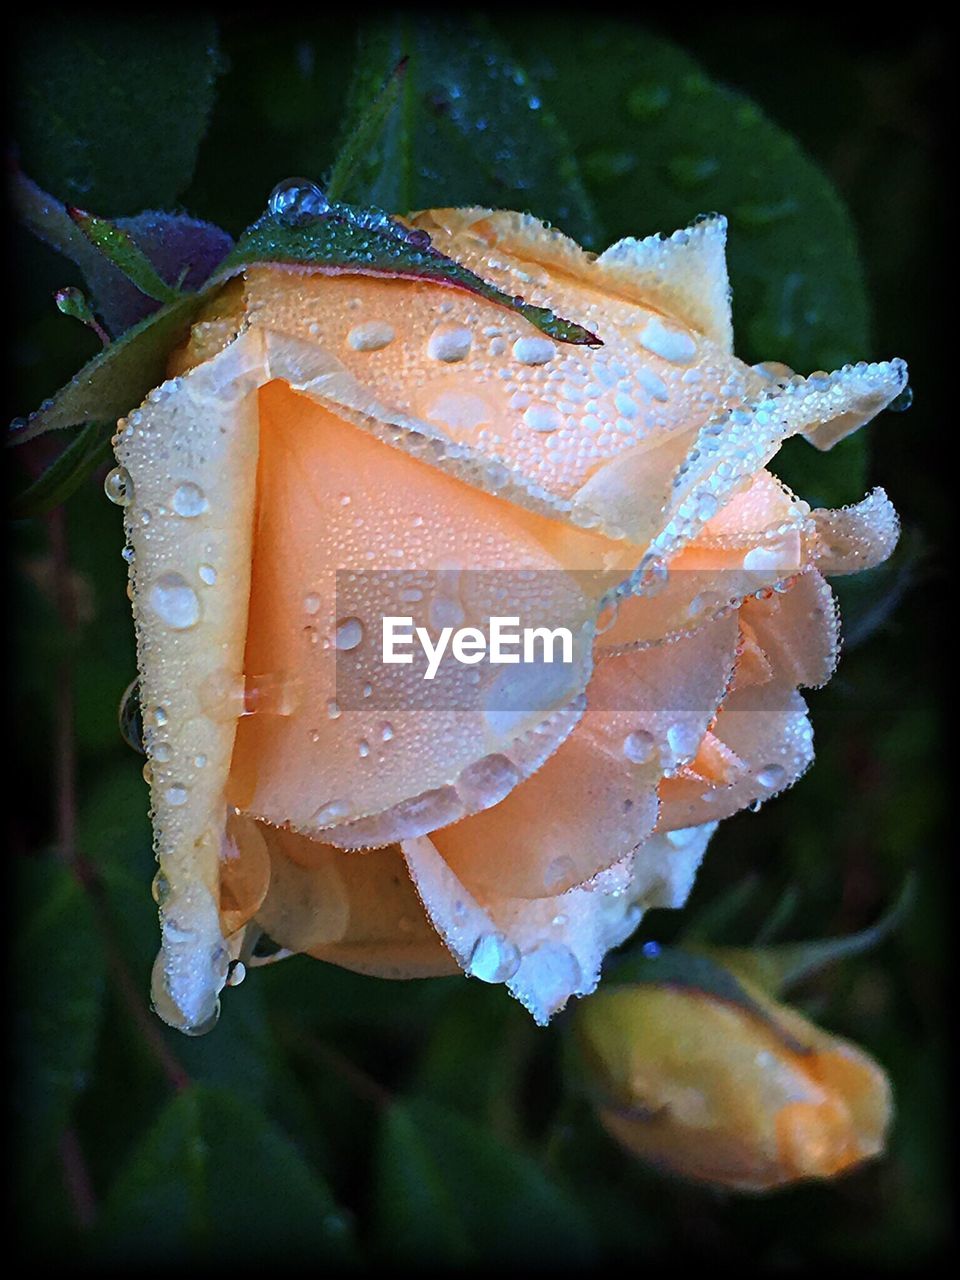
x=336, y=1117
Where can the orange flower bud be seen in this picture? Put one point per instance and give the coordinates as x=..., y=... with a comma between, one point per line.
x=747, y=1096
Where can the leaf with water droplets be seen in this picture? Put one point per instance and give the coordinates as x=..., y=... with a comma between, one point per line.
x=129, y=264
x=117, y=378
x=343, y=238
x=682, y=145
x=467, y=126
x=123, y=253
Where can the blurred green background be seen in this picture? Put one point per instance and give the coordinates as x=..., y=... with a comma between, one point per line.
x=347, y=1119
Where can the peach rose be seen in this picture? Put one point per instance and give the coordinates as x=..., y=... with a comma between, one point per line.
x=334, y=448
x=748, y=1097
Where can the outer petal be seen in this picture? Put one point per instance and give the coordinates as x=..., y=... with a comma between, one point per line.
x=357, y=910
x=549, y=949
x=191, y=452
x=595, y=800
x=857, y=537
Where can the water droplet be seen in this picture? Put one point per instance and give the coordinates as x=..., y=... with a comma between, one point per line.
x=175, y=602
x=189, y=500
x=372, y=336
x=297, y=198
x=683, y=740
x=208, y=574
x=652, y=574
x=349, y=634
x=386, y=732
x=494, y=958
x=311, y=604
x=118, y=486
x=161, y=752
x=130, y=717
x=771, y=775
x=543, y=417
x=670, y=344
x=363, y=748
x=333, y=709
x=236, y=973
x=160, y=888
x=638, y=746
x=449, y=343
x=651, y=950
x=903, y=401
x=533, y=350
x=176, y=794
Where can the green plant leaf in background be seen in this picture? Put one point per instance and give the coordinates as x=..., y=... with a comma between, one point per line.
x=658, y=143
x=59, y=979
x=449, y=1193
x=466, y=125
x=214, y=1179
x=111, y=111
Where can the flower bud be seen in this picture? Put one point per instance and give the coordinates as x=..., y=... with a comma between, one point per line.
x=739, y=1092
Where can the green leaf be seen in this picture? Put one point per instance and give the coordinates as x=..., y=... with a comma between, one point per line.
x=88, y=449
x=660, y=143
x=467, y=125
x=777, y=969
x=213, y=1179
x=449, y=1194
x=117, y=247
x=343, y=239
x=109, y=112
x=59, y=977
x=117, y=378
x=364, y=135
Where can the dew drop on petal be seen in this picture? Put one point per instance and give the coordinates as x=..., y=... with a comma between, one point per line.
x=176, y=794
x=175, y=602
x=449, y=344
x=118, y=486
x=494, y=958
x=543, y=417
x=372, y=336
x=771, y=775
x=348, y=634
x=638, y=746
x=533, y=350
x=189, y=500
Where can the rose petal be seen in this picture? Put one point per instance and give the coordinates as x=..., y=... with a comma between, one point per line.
x=545, y=949
x=349, y=743
x=798, y=630
x=595, y=799
x=356, y=910
x=191, y=454
x=683, y=275
x=856, y=537
x=765, y=725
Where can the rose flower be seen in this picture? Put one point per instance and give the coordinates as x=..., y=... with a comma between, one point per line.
x=335, y=448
